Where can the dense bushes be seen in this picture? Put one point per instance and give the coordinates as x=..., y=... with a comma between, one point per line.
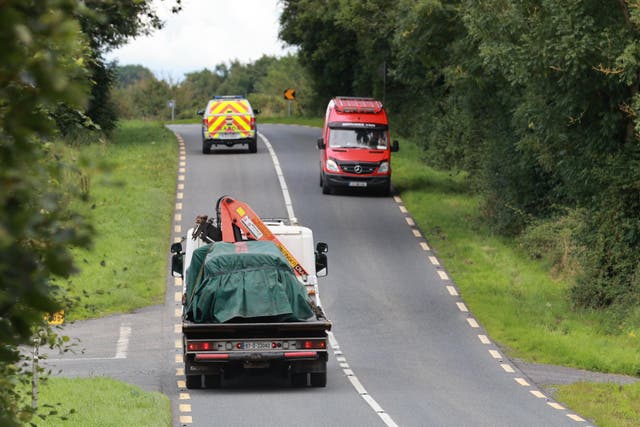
x=537, y=100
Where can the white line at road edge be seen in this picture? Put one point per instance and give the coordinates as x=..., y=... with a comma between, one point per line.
x=122, y=348
x=332, y=339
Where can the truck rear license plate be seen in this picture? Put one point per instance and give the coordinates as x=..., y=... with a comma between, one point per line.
x=256, y=345
x=357, y=184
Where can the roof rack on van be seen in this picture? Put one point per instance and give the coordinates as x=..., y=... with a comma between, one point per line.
x=348, y=104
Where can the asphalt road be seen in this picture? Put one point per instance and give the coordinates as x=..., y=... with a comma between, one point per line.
x=406, y=351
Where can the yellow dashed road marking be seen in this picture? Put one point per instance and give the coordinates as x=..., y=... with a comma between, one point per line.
x=507, y=368
x=452, y=291
x=186, y=419
x=184, y=396
x=177, y=229
x=495, y=354
x=179, y=372
x=403, y=209
x=184, y=407
x=472, y=322
x=177, y=328
x=443, y=275
x=424, y=246
x=555, y=405
x=181, y=384
x=416, y=233
x=574, y=417
x=462, y=307
x=434, y=260
x=537, y=394
x=177, y=217
x=410, y=221
x=484, y=339
x=178, y=359
x=522, y=382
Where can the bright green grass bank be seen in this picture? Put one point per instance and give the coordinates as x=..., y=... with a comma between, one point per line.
x=610, y=405
x=131, y=209
x=514, y=297
x=100, y=402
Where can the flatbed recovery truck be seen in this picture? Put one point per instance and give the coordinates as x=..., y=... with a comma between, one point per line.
x=214, y=350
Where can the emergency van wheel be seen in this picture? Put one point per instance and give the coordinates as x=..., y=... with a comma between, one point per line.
x=194, y=381
x=318, y=379
x=253, y=145
x=206, y=147
x=326, y=189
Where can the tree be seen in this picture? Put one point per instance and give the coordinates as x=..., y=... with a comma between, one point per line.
x=41, y=65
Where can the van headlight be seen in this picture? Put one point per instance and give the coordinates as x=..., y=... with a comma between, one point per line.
x=332, y=166
x=384, y=167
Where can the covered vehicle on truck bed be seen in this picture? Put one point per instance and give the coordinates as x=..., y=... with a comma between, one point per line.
x=242, y=282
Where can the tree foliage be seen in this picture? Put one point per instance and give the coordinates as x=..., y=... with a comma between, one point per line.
x=537, y=99
x=41, y=65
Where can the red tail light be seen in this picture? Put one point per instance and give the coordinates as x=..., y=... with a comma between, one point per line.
x=253, y=122
x=309, y=344
x=199, y=346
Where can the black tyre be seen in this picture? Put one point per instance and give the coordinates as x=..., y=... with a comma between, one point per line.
x=253, y=146
x=194, y=381
x=206, y=147
x=318, y=379
x=212, y=381
x=299, y=380
x=326, y=188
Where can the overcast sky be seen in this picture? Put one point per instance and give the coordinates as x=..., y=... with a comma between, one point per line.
x=206, y=33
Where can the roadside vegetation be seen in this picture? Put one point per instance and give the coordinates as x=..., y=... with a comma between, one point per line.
x=521, y=299
x=129, y=204
x=100, y=401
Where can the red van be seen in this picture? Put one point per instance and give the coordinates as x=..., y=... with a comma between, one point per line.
x=355, y=148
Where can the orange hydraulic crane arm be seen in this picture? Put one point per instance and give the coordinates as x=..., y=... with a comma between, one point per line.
x=236, y=218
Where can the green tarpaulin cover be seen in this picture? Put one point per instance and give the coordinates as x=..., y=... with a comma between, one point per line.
x=244, y=281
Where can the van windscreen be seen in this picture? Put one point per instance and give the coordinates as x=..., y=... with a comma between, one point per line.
x=370, y=138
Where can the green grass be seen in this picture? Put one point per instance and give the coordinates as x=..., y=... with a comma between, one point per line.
x=131, y=209
x=100, y=402
x=609, y=405
x=515, y=298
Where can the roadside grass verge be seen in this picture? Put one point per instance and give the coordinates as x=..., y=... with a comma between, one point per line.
x=100, y=402
x=611, y=405
x=524, y=309
x=516, y=299
x=130, y=205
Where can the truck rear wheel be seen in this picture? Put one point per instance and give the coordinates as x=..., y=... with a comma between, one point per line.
x=299, y=380
x=318, y=379
x=212, y=381
x=194, y=381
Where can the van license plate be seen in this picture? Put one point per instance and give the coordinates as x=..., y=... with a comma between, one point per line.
x=256, y=345
x=357, y=184
x=230, y=135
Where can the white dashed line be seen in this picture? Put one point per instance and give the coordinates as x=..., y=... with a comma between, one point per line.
x=332, y=339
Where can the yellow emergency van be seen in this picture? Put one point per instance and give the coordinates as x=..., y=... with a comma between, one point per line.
x=228, y=121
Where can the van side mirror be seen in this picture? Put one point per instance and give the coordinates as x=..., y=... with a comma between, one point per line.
x=200, y=113
x=322, y=262
x=321, y=144
x=394, y=146
x=256, y=111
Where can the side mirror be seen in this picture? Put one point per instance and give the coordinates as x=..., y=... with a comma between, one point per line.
x=177, y=264
x=321, y=144
x=256, y=112
x=322, y=262
x=394, y=146
x=200, y=113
